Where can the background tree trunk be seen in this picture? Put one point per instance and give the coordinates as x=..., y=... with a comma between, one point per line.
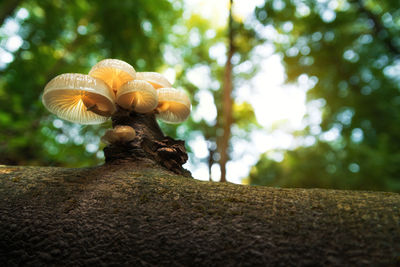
x=142, y=214
x=227, y=101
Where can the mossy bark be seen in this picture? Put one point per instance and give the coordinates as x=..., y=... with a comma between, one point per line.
x=145, y=215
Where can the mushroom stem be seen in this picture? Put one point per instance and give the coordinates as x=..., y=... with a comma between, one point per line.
x=150, y=143
x=96, y=110
x=163, y=107
x=91, y=107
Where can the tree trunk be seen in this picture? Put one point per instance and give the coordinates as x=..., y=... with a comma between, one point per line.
x=211, y=153
x=150, y=144
x=141, y=214
x=227, y=101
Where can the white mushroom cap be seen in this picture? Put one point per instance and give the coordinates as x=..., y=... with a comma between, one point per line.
x=120, y=134
x=154, y=78
x=78, y=97
x=137, y=95
x=113, y=72
x=173, y=105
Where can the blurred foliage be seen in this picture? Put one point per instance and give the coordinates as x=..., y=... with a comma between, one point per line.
x=62, y=36
x=348, y=49
x=352, y=50
x=194, y=38
x=71, y=36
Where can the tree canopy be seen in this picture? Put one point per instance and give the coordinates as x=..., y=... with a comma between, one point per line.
x=352, y=50
x=68, y=36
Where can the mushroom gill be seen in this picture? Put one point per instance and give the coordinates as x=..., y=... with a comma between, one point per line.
x=79, y=98
x=154, y=78
x=113, y=72
x=173, y=105
x=137, y=95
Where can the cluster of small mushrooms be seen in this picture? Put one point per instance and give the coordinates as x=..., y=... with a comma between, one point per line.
x=111, y=85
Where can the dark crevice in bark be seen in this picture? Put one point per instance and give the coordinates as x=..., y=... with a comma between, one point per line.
x=149, y=146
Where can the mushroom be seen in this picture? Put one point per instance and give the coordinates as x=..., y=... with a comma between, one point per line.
x=79, y=98
x=154, y=78
x=173, y=105
x=113, y=72
x=137, y=95
x=121, y=134
x=109, y=137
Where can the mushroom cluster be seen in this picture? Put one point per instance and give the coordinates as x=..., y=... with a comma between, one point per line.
x=113, y=84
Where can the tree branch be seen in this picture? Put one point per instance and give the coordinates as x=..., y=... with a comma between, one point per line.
x=141, y=215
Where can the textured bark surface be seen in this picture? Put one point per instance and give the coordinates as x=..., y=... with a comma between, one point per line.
x=149, y=145
x=144, y=215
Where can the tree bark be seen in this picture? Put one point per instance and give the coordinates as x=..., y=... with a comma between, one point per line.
x=227, y=102
x=142, y=214
x=149, y=145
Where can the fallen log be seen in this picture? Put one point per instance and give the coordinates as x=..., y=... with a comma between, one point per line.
x=142, y=214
